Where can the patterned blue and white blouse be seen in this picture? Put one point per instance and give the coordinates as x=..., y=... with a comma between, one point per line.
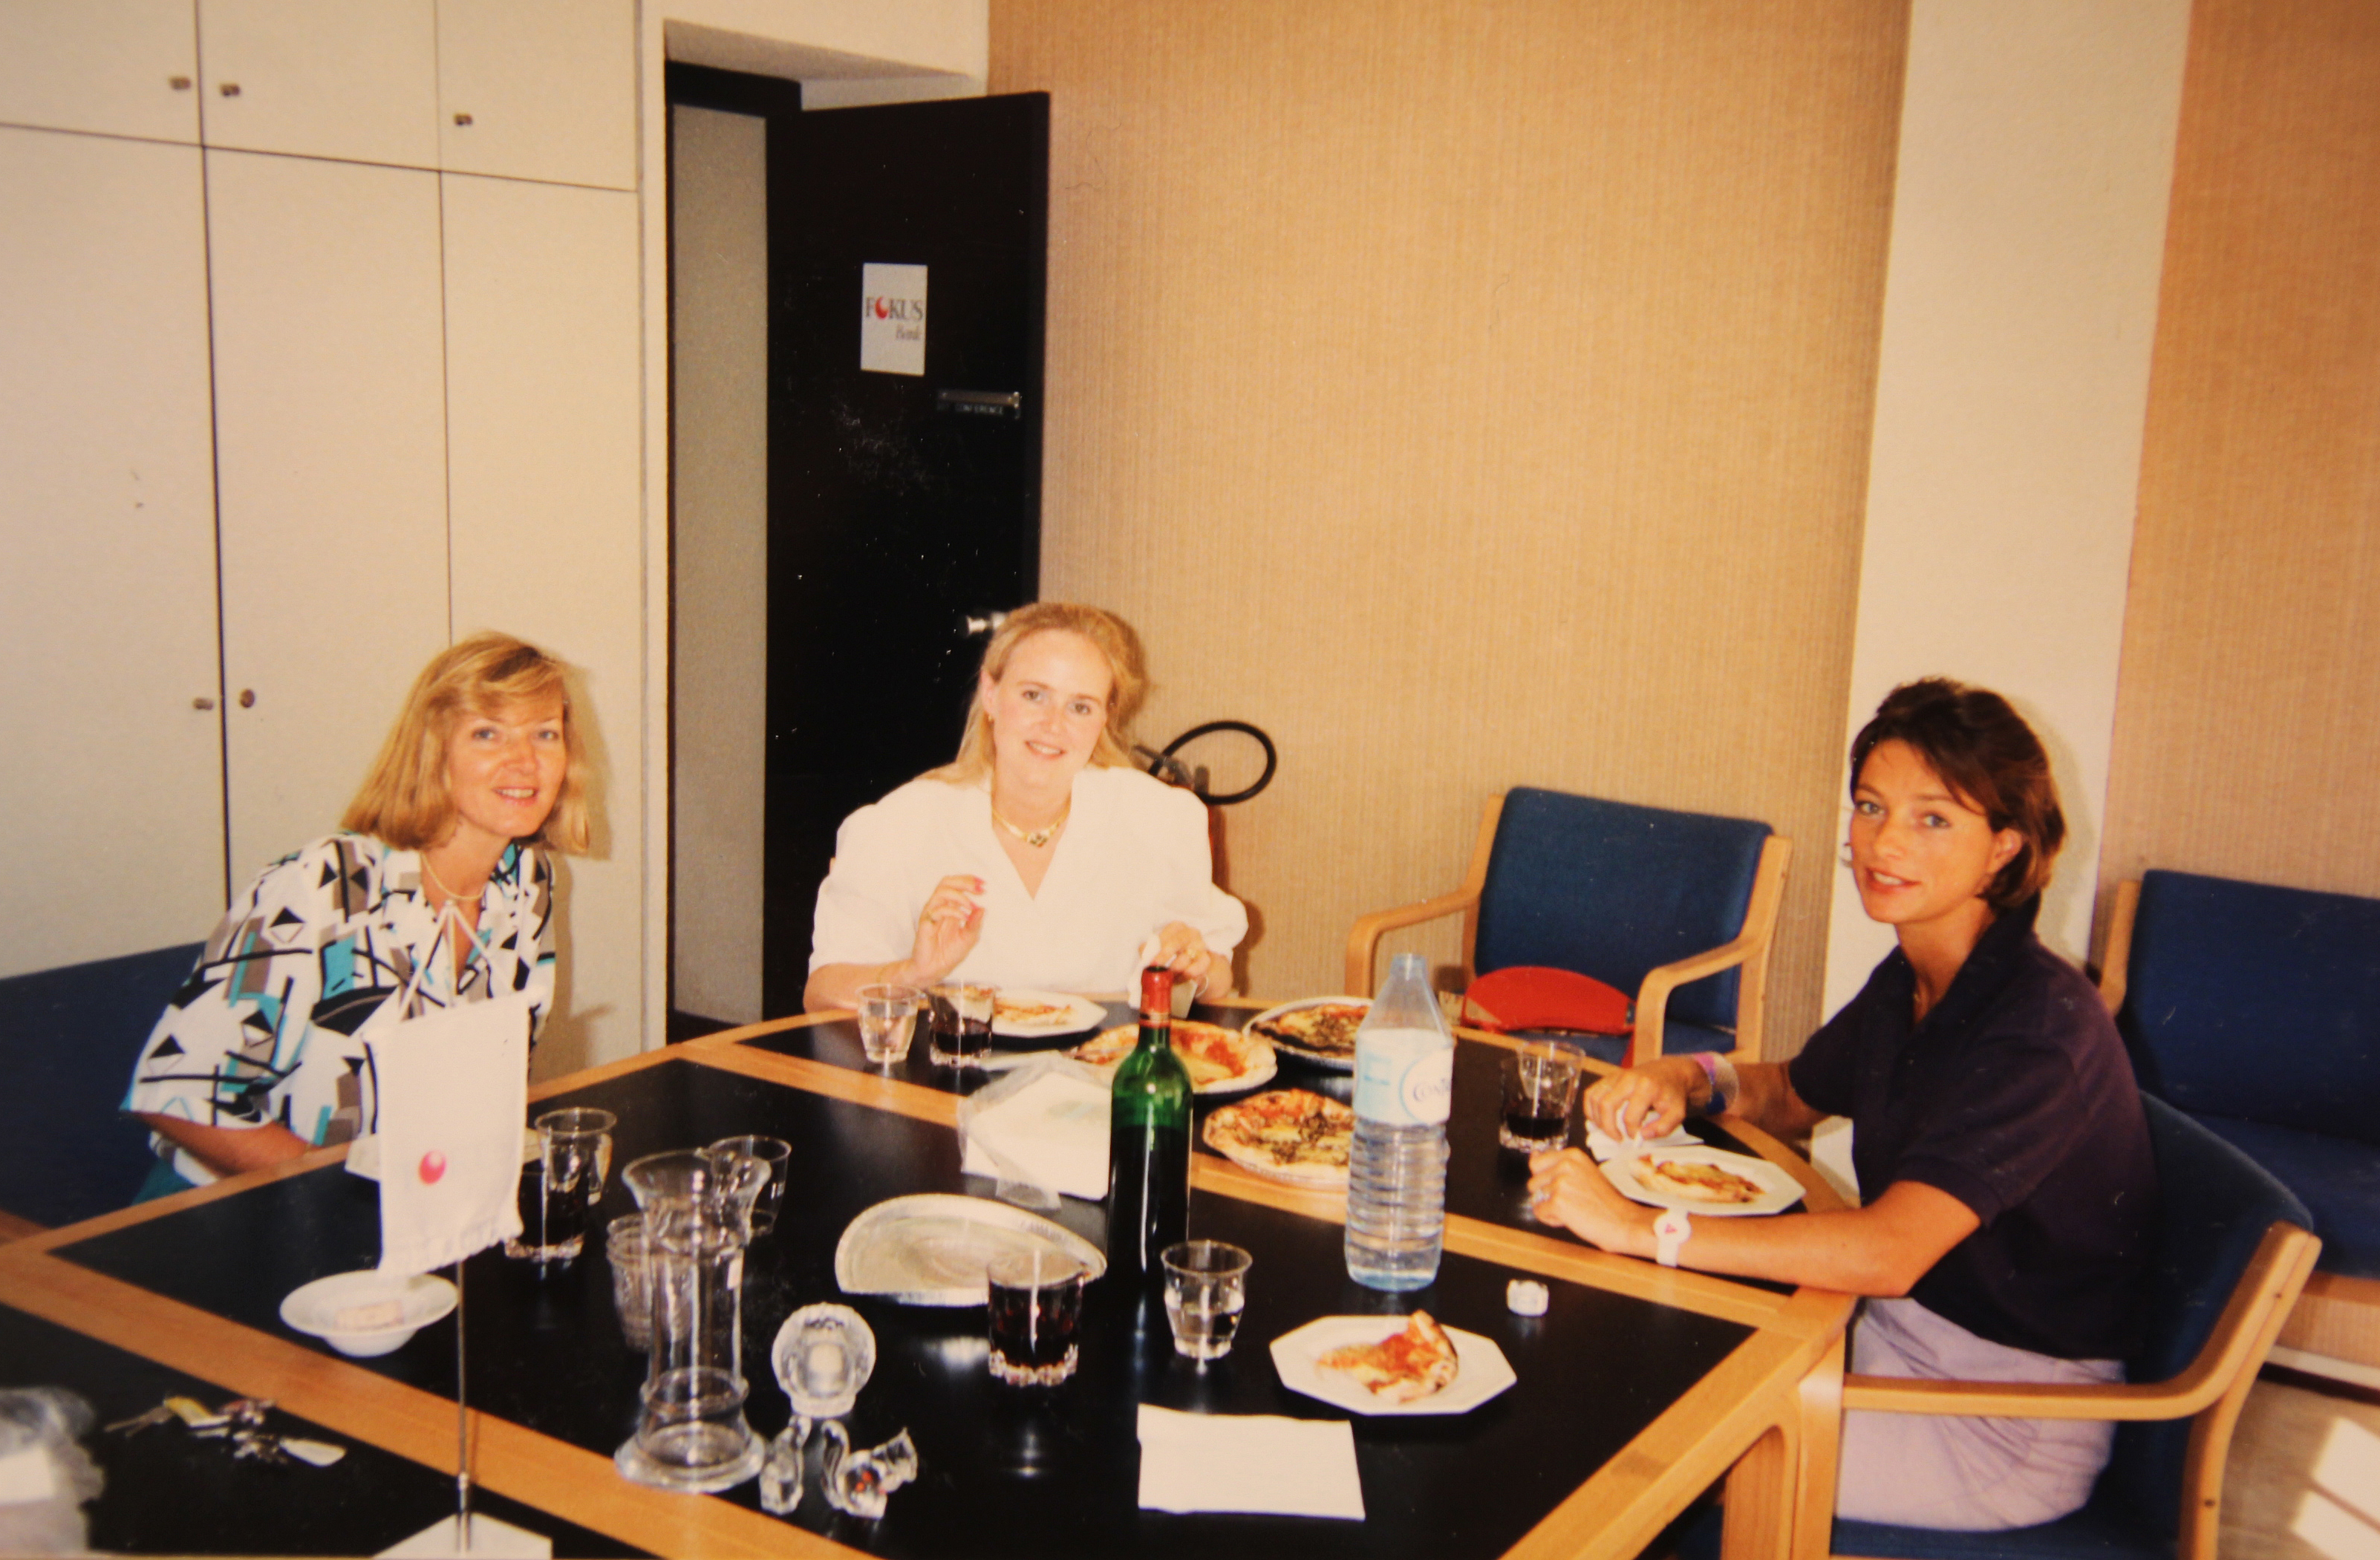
x=269, y=1026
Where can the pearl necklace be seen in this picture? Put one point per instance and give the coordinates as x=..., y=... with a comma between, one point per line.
x=440, y=884
x=1036, y=839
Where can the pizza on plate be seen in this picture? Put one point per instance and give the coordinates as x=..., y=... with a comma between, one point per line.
x=1217, y=1059
x=1327, y=1029
x=1029, y=1015
x=1290, y=1134
x=1403, y=1368
x=1701, y=1182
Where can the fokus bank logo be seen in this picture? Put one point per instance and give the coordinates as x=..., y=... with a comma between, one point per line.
x=893, y=319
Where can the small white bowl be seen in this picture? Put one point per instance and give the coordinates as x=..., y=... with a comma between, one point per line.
x=367, y=1313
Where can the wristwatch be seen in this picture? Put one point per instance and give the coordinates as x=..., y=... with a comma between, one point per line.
x=1672, y=1230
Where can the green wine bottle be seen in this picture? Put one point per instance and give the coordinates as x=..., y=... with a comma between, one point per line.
x=1149, y=1142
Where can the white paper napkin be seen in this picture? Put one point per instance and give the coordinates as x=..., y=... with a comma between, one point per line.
x=1603, y=1145
x=1054, y=1132
x=1260, y=1463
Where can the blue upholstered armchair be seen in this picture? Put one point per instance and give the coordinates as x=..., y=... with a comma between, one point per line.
x=1679, y=907
x=2233, y=1254
x=2256, y=1010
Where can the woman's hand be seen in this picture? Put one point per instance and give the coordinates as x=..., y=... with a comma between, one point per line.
x=1645, y=1102
x=948, y=929
x=1566, y=1188
x=1180, y=950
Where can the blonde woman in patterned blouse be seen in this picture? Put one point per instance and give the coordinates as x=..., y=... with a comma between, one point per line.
x=438, y=890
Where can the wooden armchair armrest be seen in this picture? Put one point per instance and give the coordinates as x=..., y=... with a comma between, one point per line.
x=1754, y=941
x=1653, y=997
x=2116, y=960
x=1364, y=939
x=2251, y=1320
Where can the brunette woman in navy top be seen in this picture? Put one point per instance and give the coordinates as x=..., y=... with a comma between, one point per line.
x=2008, y=1187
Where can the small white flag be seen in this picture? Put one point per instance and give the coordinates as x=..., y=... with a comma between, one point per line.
x=453, y=1087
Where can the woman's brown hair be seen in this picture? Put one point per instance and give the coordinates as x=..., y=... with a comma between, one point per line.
x=404, y=800
x=1986, y=753
x=1116, y=643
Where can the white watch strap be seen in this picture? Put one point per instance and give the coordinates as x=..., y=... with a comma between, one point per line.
x=1670, y=1232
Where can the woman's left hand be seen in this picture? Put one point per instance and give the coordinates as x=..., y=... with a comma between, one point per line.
x=1180, y=950
x=1567, y=1188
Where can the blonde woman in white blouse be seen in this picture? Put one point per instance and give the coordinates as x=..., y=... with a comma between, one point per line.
x=1039, y=857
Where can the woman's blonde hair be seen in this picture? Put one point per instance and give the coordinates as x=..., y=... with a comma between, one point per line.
x=404, y=800
x=1115, y=641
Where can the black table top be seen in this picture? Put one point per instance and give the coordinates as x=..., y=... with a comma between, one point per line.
x=170, y=1491
x=1000, y=1470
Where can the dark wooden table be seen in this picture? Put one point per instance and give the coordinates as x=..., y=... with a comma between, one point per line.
x=1637, y=1390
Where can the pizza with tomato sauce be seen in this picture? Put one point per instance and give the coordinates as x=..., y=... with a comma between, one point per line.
x=1403, y=1368
x=1220, y=1060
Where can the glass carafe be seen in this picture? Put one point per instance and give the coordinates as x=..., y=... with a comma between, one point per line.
x=691, y=1435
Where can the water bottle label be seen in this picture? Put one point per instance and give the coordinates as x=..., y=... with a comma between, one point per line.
x=1403, y=1078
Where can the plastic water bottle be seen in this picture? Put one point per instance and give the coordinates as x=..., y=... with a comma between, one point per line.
x=1396, y=1177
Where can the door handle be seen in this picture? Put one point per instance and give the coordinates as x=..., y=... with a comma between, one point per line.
x=987, y=624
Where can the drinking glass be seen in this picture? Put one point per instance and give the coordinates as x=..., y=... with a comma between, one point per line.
x=775, y=1152
x=961, y=1027
x=560, y=1189
x=632, y=1278
x=1206, y=1289
x=1035, y=1315
x=888, y=1019
x=1539, y=1089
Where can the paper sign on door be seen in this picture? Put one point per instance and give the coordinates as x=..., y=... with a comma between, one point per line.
x=893, y=319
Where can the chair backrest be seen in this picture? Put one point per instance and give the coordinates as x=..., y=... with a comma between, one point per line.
x=2257, y=1002
x=1612, y=890
x=2215, y=1204
x=68, y=1039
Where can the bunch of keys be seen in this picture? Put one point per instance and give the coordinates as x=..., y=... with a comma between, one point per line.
x=241, y=1422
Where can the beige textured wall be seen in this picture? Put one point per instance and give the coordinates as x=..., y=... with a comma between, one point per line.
x=1471, y=395
x=2247, y=719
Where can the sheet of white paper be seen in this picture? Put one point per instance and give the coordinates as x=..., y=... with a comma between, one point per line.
x=1054, y=1130
x=1260, y=1463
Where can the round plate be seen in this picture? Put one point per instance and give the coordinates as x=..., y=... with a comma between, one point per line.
x=1778, y=1190
x=1486, y=1372
x=314, y=1308
x=1320, y=1058
x=1080, y=1013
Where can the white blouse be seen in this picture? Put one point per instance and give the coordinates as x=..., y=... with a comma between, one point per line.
x=1135, y=857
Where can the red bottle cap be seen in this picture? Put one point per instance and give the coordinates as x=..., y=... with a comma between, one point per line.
x=1157, y=992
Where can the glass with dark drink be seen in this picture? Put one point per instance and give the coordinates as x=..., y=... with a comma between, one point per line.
x=1036, y=1309
x=1539, y=1089
x=959, y=1022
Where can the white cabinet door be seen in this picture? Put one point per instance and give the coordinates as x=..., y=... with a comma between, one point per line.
x=331, y=450
x=538, y=90
x=543, y=407
x=349, y=79
x=111, y=778
x=120, y=68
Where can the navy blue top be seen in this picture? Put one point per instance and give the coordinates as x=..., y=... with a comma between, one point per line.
x=2015, y=1097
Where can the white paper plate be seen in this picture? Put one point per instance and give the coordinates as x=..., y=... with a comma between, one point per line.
x=314, y=1308
x=363, y=1153
x=933, y=1248
x=1486, y=1372
x=1324, y=1058
x=1780, y=1190
x=1081, y=1013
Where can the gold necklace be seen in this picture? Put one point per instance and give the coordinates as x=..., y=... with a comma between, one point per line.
x=440, y=884
x=1036, y=839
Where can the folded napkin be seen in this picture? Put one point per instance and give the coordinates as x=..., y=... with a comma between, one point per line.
x=1604, y=1146
x=1047, y=1127
x=1259, y=1463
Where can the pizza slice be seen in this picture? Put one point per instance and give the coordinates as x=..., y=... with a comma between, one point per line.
x=1403, y=1368
x=1327, y=1029
x=1703, y=1183
x=1216, y=1057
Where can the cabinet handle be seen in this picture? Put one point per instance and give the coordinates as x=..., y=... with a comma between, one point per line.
x=248, y=698
x=202, y=702
x=229, y=89
x=462, y=118
x=179, y=83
